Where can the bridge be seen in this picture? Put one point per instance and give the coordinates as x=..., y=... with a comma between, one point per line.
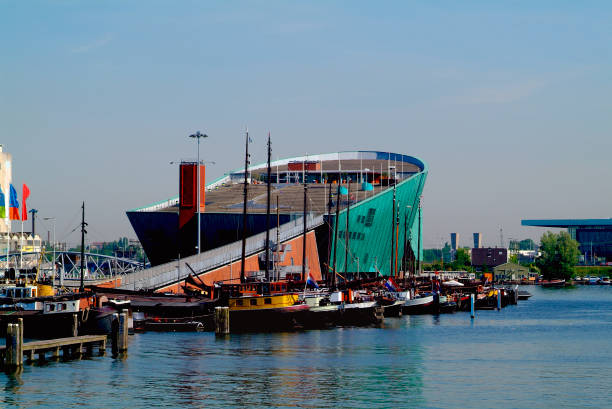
x=99, y=267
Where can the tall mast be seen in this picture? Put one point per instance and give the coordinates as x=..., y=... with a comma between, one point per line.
x=276, y=273
x=418, y=256
x=83, y=224
x=405, y=255
x=397, y=262
x=244, y=208
x=304, y=234
x=268, y=212
x=392, y=269
x=329, y=206
x=336, y=222
x=346, y=238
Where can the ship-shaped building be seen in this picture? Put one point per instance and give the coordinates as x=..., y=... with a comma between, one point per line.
x=376, y=194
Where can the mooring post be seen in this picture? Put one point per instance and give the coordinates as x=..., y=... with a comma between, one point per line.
x=75, y=326
x=472, y=302
x=498, y=299
x=222, y=321
x=115, y=333
x=14, y=347
x=123, y=332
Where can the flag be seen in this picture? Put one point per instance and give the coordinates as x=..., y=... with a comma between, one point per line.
x=310, y=280
x=24, y=196
x=391, y=285
x=13, y=205
x=2, y=205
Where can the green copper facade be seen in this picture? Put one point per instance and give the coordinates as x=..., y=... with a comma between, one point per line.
x=371, y=225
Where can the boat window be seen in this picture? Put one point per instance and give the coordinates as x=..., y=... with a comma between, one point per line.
x=18, y=293
x=268, y=301
x=63, y=306
x=253, y=301
x=50, y=307
x=238, y=302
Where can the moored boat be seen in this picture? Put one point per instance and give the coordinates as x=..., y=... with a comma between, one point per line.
x=420, y=304
x=271, y=312
x=552, y=283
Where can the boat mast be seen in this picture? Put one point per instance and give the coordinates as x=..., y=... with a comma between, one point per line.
x=397, y=262
x=276, y=271
x=418, y=256
x=304, y=235
x=405, y=255
x=244, y=208
x=346, y=238
x=268, y=212
x=329, y=206
x=83, y=224
x=392, y=269
x=336, y=222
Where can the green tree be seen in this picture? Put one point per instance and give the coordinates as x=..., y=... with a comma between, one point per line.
x=462, y=258
x=559, y=255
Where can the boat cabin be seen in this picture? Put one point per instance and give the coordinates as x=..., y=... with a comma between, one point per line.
x=19, y=292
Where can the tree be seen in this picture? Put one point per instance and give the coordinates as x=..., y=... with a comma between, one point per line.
x=559, y=255
x=462, y=258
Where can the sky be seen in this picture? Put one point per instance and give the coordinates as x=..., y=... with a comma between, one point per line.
x=508, y=102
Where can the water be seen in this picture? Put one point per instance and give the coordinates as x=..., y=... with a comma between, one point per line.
x=553, y=351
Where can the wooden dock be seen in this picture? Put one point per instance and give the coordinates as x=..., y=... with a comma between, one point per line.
x=70, y=347
x=12, y=355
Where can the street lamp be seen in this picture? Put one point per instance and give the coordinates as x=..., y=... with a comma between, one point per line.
x=198, y=135
x=53, y=276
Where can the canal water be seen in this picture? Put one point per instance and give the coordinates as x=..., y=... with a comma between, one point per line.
x=553, y=351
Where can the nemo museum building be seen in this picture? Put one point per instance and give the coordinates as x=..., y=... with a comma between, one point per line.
x=593, y=235
x=361, y=208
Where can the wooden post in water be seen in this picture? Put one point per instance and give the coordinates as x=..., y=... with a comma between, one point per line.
x=499, y=295
x=222, y=321
x=13, y=358
x=75, y=326
x=472, y=306
x=114, y=333
x=123, y=332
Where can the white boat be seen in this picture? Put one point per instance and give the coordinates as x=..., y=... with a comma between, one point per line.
x=422, y=304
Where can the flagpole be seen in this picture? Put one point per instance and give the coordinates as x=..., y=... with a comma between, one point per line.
x=8, y=226
x=21, y=247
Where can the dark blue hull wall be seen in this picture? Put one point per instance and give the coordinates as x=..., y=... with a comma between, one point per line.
x=159, y=234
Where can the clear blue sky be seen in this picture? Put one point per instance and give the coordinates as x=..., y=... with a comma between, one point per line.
x=508, y=102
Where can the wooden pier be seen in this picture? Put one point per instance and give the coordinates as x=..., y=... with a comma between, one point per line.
x=12, y=354
x=70, y=347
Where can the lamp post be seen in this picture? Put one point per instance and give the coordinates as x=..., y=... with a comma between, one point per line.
x=198, y=135
x=53, y=275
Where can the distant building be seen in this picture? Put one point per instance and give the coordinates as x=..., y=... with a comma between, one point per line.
x=593, y=235
x=477, y=240
x=454, y=241
x=510, y=272
x=489, y=257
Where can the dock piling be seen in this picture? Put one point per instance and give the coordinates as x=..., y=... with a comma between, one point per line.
x=222, y=321
x=123, y=332
x=499, y=295
x=14, y=346
x=75, y=326
x=472, y=302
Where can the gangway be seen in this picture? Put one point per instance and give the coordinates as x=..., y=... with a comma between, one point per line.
x=174, y=272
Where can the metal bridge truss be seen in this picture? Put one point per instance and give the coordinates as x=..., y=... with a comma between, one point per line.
x=98, y=267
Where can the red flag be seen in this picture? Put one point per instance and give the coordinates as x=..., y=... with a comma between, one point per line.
x=24, y=208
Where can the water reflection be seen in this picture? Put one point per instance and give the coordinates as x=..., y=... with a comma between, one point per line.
x=555, y=345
